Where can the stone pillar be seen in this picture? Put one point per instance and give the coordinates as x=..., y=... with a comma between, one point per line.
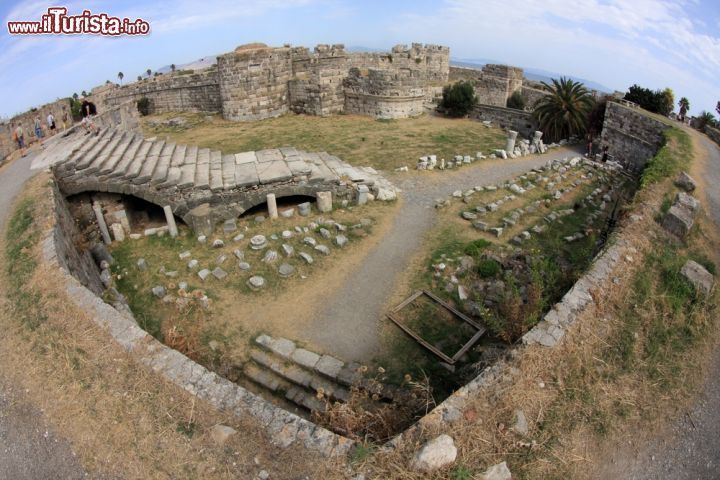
x=362, y=197
x=200, y=219
x=170, y=218
x=272, y=205
x=118, y=232
x=121, y=216
x=324, y=202
x=101, y=223
x=510, y=145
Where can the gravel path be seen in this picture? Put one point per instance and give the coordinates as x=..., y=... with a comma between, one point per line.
x=29, y=450
x=690, y=449
x=348, y=324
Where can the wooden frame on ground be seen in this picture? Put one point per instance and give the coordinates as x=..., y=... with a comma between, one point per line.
x=449, y=360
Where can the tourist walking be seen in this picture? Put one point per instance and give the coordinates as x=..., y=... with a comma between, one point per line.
x=51, y=123
x=88, y=113
x=38, y=130
x=605, y=153
x=19, y=138
x=64, y=118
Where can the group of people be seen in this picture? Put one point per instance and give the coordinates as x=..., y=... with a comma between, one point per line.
x=589, y=152
x=88, y=111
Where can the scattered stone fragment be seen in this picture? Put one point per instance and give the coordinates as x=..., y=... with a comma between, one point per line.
x=306, y=256
x=286, y=234
x=185, y=254
x=288, y=249
x=520, y=426
x=259, y=218
x=183, y=286
x=172, y=274
x=221, y=434
x=435, y=454
x=204, y=273
x=192, y=264
x=219, y=273
x=696, y=274
x=202, y=239
x=685, y=182
x=258, y=242
x=229, y=226
x=469, y=215
x=217, y=243
x=256, y=282
x=239, y=254
x=324, y=201
x=135, y=236
x=322, y=249
x=325, y=233
x=497, y=472
x=238, y=237
x=289, y=213
x=141, y=264
x=271, y=256
x=220, y=259
x=341, y=240
x=159, y=291
x=310, y=241
x=286, y=270
x=244, y=266
x=304, y=209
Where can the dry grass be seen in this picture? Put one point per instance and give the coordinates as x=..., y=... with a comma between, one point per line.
x=596, y=389
x=121, y=418
x=357, y=140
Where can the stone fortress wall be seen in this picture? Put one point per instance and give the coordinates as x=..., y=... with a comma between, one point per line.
x=27, y=119
x=256, y=82
x=494, y=84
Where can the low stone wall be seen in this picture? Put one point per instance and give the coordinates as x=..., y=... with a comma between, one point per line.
x=196, y=92
x=27, y=119
x=124, y=116
x=713, y=133
x=283, y=428
x=508, y=118
x=633, y=138
x=464, y=73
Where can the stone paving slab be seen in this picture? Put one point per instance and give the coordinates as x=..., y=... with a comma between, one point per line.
x=245, y=157
x=270, y=155
x=246, y=175
x=270, y=172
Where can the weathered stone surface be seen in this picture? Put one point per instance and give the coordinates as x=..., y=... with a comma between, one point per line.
x=271, y=256
x=497, y=472
x=435, y=454
x=341, y=241
x=141, y=264
x=221, y=434
x=192, y=264
x=520, y=426
x=329, y=366
x=305, y=358
x=217, y=243
x=204, y=273
x=685, y=182
x=272, y=205
x=288, y=250
x=286, y=270
x=287, y=213
x=170, y=219
x=118, y=232
x=306, y=256
x=304, y=209
x=687, y=201
x=258, y=242
x=229, y=225
x=256, y=282
x=244, y=266
x=159, y=291
x=219, y=273
x=324, y=202
x=701, y=279
x=322, y=249
x=678, y=221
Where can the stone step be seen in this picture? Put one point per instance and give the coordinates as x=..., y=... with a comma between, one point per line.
x=127, y=157
x=105, y=154
x=175, y=170
x=90, y=155
x=138, y=161
x=277, y=385
x=202, y=170
x=228, y=171
x=89, y=144
x=148, y=166
x=189, y=165
x=163, y=165
x=114, y=159
x=216, y=175
x=299, y=375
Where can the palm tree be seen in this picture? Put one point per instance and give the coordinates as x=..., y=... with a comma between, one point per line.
x=139, y=77
x=705, y=118
x=148, y=71
x=172, y=67
x=120, y=76
x=717, y=108
x=75, y=96
x=564, y=112
x=684, y=105
x=83, y=93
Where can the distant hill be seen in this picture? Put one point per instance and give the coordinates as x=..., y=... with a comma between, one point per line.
x=531, y=73
x=204, y=62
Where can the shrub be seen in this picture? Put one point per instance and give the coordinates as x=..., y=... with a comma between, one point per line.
x=476, y=247
x=488, y=268
x=143, y=106
x=516, y=101
x=458, y=99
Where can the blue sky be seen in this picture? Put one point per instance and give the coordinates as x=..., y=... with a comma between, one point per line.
x=655, y=43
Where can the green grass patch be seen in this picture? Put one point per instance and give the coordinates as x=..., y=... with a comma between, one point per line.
x=671, y=158
x=488, y=268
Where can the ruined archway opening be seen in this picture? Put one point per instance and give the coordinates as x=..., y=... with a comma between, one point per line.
x=123, y=215
x=283, y=203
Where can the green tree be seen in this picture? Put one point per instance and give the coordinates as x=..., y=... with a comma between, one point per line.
x=120, y=76
x=148, y=71
x=84, y=93
x=172, y=67
x=75, y=96
x=564, y=112
x=669, y=98
x=705, y=118
x=458, y=99
x=139, y=78
x=684, y=105
x=516, y=101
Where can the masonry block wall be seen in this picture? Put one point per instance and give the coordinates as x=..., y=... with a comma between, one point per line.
x=633, y=137
x=174, y=92
x=713, y=133
x=27, y=119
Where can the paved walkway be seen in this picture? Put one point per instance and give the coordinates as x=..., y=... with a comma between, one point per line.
x=29, y=450
x=690, y=449
x=348, y=324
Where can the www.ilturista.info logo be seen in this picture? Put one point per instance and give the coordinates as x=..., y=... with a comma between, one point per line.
x=57, y=21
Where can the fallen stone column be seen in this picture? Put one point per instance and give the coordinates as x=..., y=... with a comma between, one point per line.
x=101, y=223
x=170, y=218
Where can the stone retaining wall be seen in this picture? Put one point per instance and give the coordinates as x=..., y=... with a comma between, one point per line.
x=283, y=428
x=633, y=137
x=172, y=92
x=713, y=133
x=508, y=118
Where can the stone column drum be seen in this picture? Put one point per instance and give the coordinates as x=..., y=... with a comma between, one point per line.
x=510, y=145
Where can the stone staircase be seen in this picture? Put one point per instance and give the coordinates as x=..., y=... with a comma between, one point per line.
x=280, y=367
